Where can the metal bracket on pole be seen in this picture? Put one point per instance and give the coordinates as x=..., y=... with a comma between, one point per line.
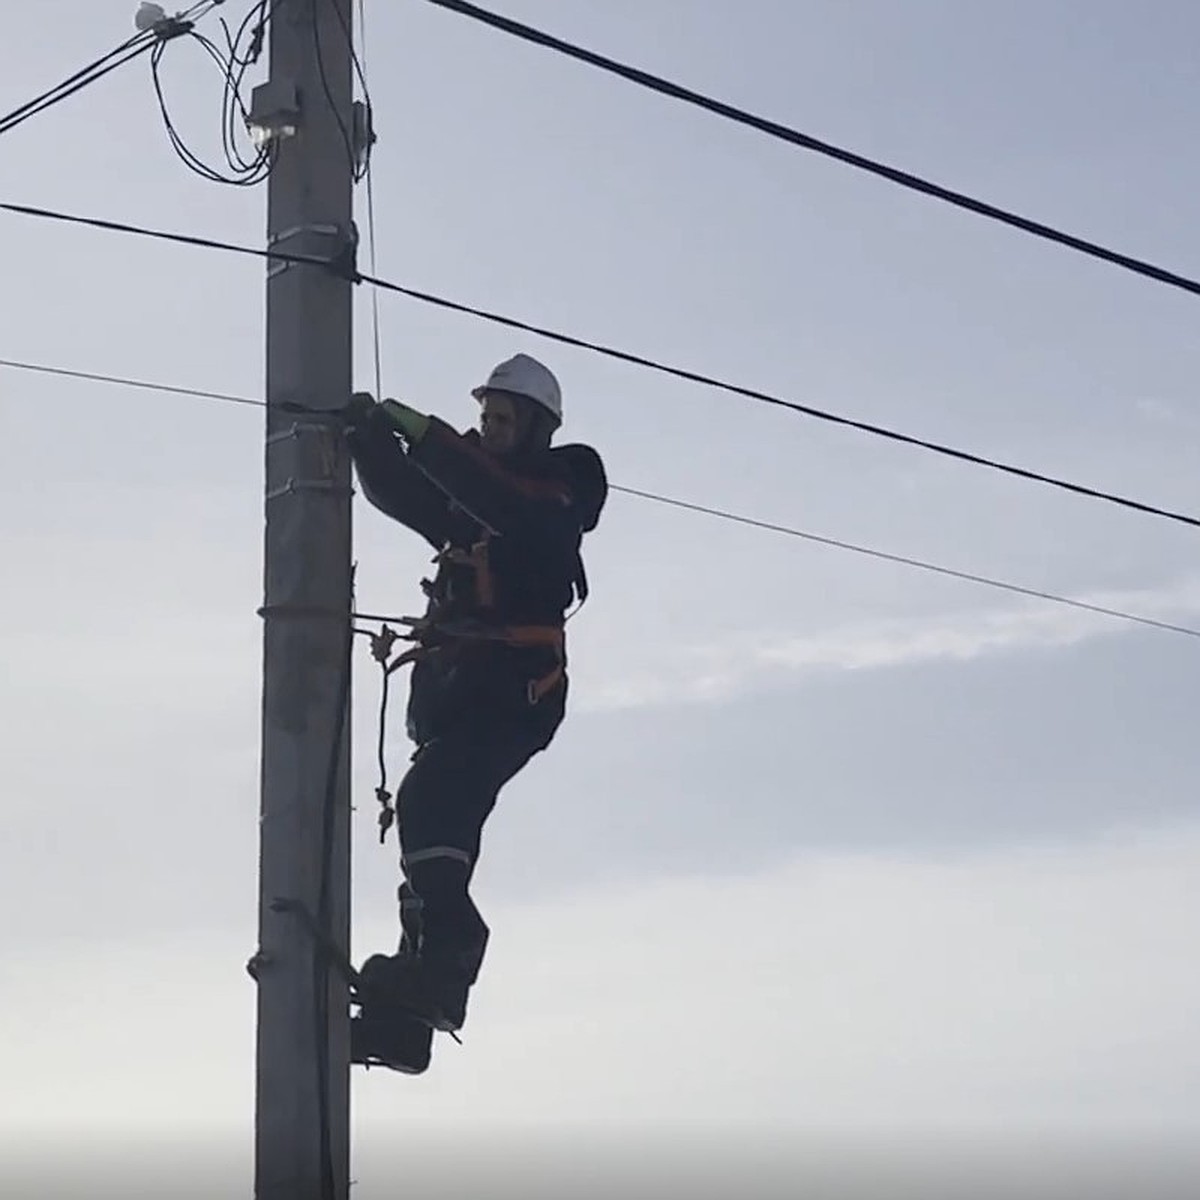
x=342, y=262
x=304, y=612
x=255, y=963
x=293, y=432
x=363, y=137
x=309, y=485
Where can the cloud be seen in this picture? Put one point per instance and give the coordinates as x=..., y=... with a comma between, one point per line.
x=852, y=991
x=869, y=1021
x=1047, y=986
x=755, y=660
x=1175, y=416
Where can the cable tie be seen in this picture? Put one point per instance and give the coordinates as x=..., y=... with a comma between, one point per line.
x=170, y=28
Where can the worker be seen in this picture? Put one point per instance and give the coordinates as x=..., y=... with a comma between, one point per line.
x=507, y=512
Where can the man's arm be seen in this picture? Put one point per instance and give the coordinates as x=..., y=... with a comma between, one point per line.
x=393, y=483
x=504, y=501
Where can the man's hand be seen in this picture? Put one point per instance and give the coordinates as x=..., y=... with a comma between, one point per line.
x=358, y=411
x=412, y=424
x=363, y=409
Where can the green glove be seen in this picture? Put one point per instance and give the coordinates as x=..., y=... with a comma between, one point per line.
x=358, y=411
x=412, y=424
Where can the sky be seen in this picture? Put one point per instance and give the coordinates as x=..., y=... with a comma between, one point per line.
x=838, y=872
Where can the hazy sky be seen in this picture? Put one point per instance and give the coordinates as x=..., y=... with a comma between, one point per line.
x=827, y=846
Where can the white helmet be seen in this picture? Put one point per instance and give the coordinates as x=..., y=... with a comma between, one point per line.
x=525, y=376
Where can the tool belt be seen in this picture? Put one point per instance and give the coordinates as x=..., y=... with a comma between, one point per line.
x=432, y=635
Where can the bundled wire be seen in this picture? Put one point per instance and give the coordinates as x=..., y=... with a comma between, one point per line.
x=241, y=52
x=88, y=75
x=150, y=39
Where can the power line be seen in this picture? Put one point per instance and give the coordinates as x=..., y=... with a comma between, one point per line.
x=796, y=138
x=777, y=401
x=96, y=377
x=163, y=235
x=903, y=560
x=114, y=59
x=611, y=352
x=148, y=39
x=670, y=501
x=155, y=39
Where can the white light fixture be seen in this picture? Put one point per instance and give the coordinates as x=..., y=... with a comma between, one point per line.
x=274, y=112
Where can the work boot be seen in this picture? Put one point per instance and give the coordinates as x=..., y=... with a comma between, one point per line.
x=384, y=1034
x=404, y=984
x=390, y=1039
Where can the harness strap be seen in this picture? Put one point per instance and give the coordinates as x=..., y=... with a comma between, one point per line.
x=581, y=580
x=536, y=690
x=523, y=636
x=477, y=559
x=551, y=636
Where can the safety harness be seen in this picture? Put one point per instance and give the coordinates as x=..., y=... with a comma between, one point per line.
x=432, y=636
x=432, y=633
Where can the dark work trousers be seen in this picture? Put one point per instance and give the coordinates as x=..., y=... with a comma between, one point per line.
x=442, y=803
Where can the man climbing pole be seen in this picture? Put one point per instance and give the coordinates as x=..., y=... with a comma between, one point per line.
x=507, y=513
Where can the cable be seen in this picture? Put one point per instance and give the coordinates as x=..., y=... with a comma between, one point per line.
x=127, y=51
x=324, y=906
x=361, y=67
x=611, y=352
x=112, y=61
x=163, y=235
x=904, y=561
x=720, y=514
x=252, y=35
x=347, y=138
x=796, y=138
x=377, y=341
x=243, y=50
x=95, y=377
x=361, y=156
x=358, y=154
x=803, y=409
x=359, y=61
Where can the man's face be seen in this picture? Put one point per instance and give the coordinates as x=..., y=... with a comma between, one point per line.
x=499, y=422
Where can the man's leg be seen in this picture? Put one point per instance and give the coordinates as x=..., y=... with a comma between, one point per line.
x=410, y=918
x=443, y=802
x=436, y=800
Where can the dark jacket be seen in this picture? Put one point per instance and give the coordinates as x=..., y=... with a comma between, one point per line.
x=508, y=534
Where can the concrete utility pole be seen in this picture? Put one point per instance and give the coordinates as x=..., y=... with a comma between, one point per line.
x=303, y=1092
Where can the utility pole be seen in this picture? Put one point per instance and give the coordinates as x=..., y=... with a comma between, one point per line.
x=302, y=1111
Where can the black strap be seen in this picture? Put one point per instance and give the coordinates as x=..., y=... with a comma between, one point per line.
x=580, y=579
